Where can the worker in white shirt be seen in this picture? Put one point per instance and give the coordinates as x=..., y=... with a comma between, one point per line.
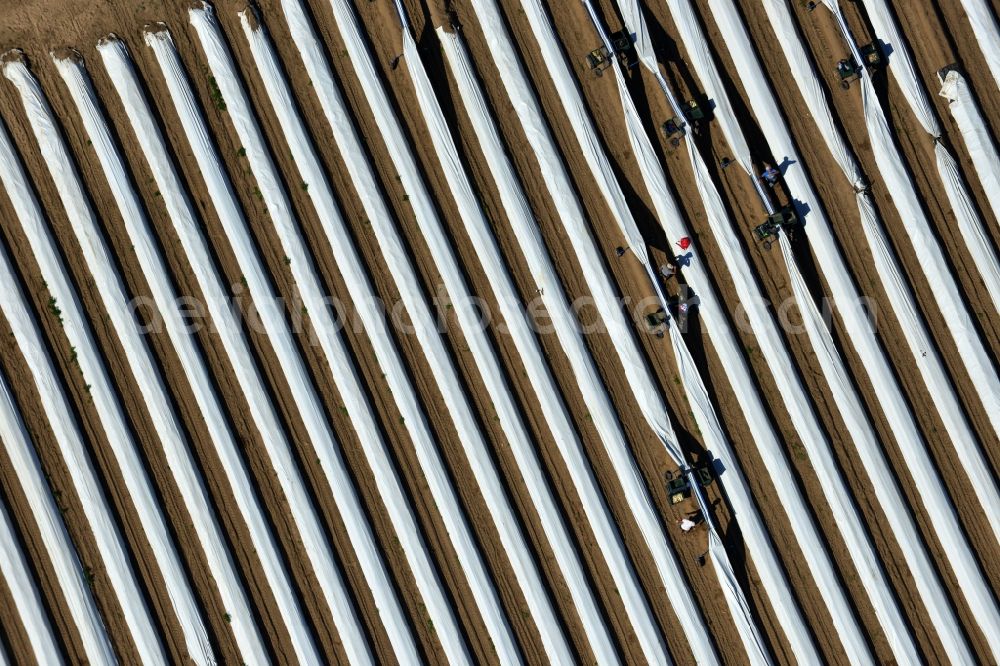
x=690, y=521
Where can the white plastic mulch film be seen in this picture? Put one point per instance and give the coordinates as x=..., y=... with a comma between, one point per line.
x=392, y=247
x=331, y=584
x=785, y=374
x=901, y=63
x=714, y=438
x=227, y=580
x=109, y=285
x=457, y=290
x=29, y=607
x=564, y=323
x=986, y=162
x=47, y=517
x=927, y=360
x=545, y=388
x=227, y=329
x=333, y=346
x=621, y=332
x=641, y=382
x=987, y=31
x=971, y=348
x=307, y=162
x=72, y=448
x=848, y=302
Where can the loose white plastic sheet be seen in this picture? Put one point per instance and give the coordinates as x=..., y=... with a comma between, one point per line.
x=72, y=448
x=55, y=539
x=975, y=134
x=566, y=329
x=109, y=285
x=831, y=262
x=331, y=583
x=28, y=605
x=545, y=389
x=221, y=564
x=986, y=163
x=362, y=175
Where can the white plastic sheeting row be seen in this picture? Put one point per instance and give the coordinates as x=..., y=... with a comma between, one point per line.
x=972, y=351
x=557, y=307
x=701, y=407
x=481, y=350
x=557, y=181
x=311, y=172
x=643, y=387
x=325, y=328
x=236, y=347
x=110, y=409
x=846, y=297
x=16, y=573
x=900, y=62
x=221, y=563
x=868, y=446
x=52, y=532
x=780, y=362
x=925, y=354
x=908, y=204
x=362, y=175
x=544, y=385
x=987, y=32
x=904, y=528
x=985, y=161
x=330, y=582
x=700, y=53
x=752, y=526
x=54, y=403
x=431, y=588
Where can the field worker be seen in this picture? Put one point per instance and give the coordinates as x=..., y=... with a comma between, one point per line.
x=771, y=174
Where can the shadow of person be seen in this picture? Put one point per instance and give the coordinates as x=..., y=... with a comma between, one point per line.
x=784, y=164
